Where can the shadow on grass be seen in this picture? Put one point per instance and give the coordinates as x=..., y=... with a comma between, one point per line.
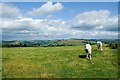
x=82, y=56
x=95, y=50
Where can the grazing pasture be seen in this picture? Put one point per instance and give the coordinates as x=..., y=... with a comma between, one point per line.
x=58, y=62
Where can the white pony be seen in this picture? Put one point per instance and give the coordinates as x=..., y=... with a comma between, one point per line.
x=88, y=51
x=99, y=45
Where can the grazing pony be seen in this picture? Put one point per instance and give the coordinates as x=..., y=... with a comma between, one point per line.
x=99, y=45
x=88, y=51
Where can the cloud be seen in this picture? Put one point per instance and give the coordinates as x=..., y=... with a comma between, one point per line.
x=47, y=8
x=34, y=27
x=28, y=28
x=95, y=20
x=90, y=24
x=9, y=11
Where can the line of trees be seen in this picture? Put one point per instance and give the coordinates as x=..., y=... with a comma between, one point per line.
x=14, y=45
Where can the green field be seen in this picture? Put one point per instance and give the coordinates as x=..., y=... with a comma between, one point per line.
x=58, y=62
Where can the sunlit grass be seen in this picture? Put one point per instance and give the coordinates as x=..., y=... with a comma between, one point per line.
x=58, y=62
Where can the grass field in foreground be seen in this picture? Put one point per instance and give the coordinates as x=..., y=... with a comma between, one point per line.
x=58, y=62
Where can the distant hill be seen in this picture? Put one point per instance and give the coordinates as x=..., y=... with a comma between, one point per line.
x=62, y=42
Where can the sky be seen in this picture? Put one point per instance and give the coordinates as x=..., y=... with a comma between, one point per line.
x=59, y=20
x=60, y=0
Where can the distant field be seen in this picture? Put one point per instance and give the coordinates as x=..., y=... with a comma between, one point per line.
x=58, y=62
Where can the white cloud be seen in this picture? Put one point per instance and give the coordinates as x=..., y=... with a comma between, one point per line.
x=49, y=7
x=98, y=20
x=91, y=24
x=34, y=26
x=9, y=11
